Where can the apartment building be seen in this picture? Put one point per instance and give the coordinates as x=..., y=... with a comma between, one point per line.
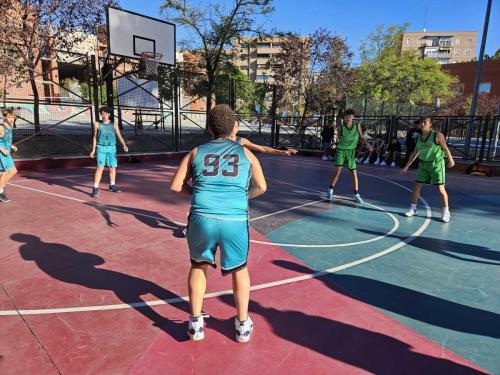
x=444, y=47
x=253, y=55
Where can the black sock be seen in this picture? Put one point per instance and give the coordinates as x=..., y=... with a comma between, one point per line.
x=332, y=187
x=355, y=192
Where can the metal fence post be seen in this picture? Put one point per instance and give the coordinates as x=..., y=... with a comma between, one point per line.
x=177, y=115
x=484, y=136
x=95, y=87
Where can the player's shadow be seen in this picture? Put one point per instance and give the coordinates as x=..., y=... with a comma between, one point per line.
x=150, y=218
x=449, y=248
x=68, y=265
x=371, y=351
x=410, y=303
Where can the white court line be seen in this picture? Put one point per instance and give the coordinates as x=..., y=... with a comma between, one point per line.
x=37, y=178
x=320, y=164
x=382, y=253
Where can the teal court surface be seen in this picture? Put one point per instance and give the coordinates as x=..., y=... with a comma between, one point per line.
x=99, y=286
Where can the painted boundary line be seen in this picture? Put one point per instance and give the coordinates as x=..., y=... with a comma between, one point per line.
x=291, y=280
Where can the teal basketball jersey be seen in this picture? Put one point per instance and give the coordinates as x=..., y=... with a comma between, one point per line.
x=221, y=174
x=106, y=134
x=6, y=140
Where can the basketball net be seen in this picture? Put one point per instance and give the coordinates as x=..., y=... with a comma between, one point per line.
x=151, y=61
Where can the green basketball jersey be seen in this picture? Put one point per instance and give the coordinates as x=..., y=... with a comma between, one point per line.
x=429, y=150
x=349, y=138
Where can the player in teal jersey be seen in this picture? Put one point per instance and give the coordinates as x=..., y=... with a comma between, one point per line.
x=104, y=142
x=7, y=167
x=224, y=176
x=349, y=135
x=430, y=149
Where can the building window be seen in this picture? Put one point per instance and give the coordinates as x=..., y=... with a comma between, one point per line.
x=276, y=44
x=243, y=57
x=469, y=40
x=457, y=41
x=263, y=55
x=467, y=51
x=244, y=67
x=456, y=52
x=262, y=77
x=408, y=42
x=485, y=87
x=264, y=45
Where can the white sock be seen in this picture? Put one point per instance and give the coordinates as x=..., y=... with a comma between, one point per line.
x=413, y=206
x=446, y=209
x=96, y=185
x=111, y=182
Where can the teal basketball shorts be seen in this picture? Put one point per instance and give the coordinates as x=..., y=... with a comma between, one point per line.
x=106, y=156
x=206, y=234
x=6, y=162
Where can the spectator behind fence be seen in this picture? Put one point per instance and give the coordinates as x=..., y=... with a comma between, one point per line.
x=326, y=138
x=377, y=151
x=393, y=153
x=411, y=142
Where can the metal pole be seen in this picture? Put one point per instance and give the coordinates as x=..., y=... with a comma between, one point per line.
x=177, y=115
x=477, y=80
x=95, y=87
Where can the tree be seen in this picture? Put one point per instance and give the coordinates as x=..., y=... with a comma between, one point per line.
x=496, y=56
x=459, y=105
x=215, y=27
x=386, y=40
x=312, y=72
x=37, y=29
x=388, y=74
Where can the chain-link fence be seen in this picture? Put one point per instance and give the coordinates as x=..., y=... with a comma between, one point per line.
x=168, y=113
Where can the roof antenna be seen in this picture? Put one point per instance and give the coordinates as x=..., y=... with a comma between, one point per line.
x=425, y=15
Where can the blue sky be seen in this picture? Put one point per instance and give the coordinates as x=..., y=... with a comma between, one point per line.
x=354, y=19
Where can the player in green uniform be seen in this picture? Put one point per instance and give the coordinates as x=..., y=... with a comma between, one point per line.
x=349, y=135
x=431, y=149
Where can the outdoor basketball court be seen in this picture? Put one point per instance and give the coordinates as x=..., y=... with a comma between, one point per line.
x=99, y=286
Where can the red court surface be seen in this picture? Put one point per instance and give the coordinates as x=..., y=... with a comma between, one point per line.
x=76, y=273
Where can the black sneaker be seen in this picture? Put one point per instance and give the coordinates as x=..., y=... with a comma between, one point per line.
x=114, y=189
x=95, y=192
x=4, y=198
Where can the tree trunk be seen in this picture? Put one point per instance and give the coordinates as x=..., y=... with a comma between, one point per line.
x=209, y=107
x=36, y=101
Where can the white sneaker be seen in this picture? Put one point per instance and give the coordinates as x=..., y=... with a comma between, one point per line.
x=446, y=216
x=195, y=328
x=367, y=161
x=411, y=212
x=393, y=164
x=383, y=163
x=325, y=157
x=358, y=161
x=243, y=329
x=377, y=162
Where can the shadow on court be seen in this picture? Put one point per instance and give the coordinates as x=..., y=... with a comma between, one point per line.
x=150, y=218
x=373, y=352
x=449, y=248
x=68, y=265
x=410, y=303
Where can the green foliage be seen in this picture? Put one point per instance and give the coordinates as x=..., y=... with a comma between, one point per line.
x=393, y=76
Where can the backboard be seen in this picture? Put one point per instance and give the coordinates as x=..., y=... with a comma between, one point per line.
x=130, y=34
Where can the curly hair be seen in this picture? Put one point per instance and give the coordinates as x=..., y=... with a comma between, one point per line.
x=349, y=111
x=221, y=120
x=8, y=111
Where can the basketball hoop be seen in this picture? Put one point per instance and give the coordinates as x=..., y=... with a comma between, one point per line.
x=150, y=61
